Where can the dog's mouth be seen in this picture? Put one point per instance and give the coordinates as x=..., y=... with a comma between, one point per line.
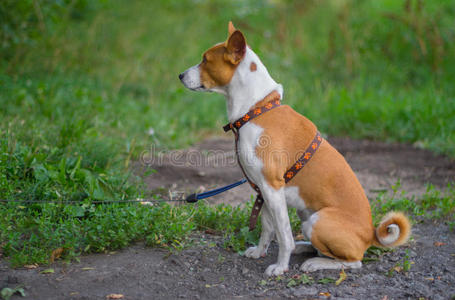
x=200, y=88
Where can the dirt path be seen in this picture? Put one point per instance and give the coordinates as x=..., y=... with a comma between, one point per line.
x=207, y=271
x=378, y=165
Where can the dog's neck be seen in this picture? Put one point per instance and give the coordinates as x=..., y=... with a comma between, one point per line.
x=248, y=86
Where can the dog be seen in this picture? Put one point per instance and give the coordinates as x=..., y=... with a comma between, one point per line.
x=334, y=210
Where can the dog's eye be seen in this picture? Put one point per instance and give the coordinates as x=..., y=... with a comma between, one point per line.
x=204, y=59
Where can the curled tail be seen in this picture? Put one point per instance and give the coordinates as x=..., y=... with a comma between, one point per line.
x=394, y=230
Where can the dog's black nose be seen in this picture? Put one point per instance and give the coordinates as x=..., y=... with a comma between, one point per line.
x=181, y=76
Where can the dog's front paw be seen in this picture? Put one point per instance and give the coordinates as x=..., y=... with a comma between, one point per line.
x=254, y=252
x=276, y=269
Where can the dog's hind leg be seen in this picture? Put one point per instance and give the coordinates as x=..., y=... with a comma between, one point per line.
x=325, y=263
x=338, y=238
x=304, y=246
x=266, y=236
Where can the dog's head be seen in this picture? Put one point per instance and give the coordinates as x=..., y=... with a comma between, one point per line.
x=218, y=64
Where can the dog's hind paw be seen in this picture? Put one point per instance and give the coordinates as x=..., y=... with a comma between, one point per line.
x=322, y=263
x=303, y=247
x=276, y=269
x=255, y=252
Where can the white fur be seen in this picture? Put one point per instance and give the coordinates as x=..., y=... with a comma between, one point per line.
x=275, y=214
x=307, y=226
x=267, y=233
x=245, y=90
x=192, y=79
x=249, y=139
x=293, y=198
x=304, y=247
x=392, y=236
x=323, y=263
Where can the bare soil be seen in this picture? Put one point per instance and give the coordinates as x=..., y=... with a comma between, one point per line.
x=377, y=165
x=208, y=271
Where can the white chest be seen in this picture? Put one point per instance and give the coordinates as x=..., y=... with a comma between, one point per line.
x=250, y=134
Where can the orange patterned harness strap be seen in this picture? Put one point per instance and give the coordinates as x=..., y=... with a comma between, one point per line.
x=306, y=156
x=255, y=112
x=298, y=165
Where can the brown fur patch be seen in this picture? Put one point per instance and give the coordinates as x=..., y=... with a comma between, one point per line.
x=253, y=67
x=326, y=183
x=219, y=62
x=214, y=69
x=398, y=219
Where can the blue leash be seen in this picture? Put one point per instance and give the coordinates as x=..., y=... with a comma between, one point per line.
x=195, y=197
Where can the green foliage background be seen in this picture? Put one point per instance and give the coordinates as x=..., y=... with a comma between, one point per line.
x=83, y=84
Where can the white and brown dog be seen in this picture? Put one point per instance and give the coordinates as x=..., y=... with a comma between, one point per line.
x=335, y=213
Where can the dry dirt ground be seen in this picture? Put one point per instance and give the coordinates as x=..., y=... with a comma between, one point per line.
x=207, y=271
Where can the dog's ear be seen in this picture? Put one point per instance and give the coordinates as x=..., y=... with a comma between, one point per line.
x=236, y=47
x=231, y=28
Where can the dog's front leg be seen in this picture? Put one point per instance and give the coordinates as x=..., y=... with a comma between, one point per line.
x=276, y=202
x=267, y=232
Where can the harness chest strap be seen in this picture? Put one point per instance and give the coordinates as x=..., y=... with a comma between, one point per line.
x=303, y=160
x=289, y=174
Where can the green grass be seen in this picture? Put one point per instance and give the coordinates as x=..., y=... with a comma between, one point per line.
x=432, y=205
x=82, y=86
x=31, y=233
x=355, y=69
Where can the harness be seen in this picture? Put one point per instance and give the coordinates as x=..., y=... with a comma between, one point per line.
x=274, y=102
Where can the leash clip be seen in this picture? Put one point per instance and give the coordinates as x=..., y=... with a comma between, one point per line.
x=192, y=198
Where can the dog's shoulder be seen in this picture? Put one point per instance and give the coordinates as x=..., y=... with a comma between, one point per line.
x=285, y=119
